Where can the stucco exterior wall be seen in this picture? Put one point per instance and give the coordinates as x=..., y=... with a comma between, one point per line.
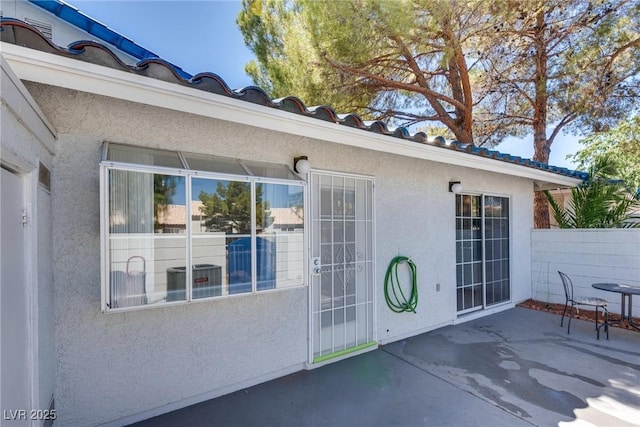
x=415, y=217
x=116, y=365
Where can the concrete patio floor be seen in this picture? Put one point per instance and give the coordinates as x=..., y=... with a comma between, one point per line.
x=515, y=368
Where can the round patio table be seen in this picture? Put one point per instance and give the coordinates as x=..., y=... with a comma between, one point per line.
x=627, y=292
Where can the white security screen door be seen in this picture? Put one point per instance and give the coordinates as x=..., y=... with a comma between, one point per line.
x=342, y=292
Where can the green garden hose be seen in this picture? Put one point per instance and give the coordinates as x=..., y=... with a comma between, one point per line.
x=399, y=303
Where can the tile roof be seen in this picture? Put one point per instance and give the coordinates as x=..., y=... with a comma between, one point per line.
x=78, y=19
x=285, y=216
x=177, y=214
x=20, y=33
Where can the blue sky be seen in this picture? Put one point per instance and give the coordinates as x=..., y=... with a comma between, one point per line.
x=203, y=36
x=197, y=36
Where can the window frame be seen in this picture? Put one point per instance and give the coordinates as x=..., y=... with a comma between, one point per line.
x=105, y=256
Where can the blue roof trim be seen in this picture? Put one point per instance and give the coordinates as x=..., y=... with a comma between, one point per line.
x=23, y=34
x=78, y=19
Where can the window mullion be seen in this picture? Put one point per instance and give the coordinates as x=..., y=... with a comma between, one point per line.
x=104, y=239
x=344, y=261
x=189, y=243
x=484, y=251
x=254, y=245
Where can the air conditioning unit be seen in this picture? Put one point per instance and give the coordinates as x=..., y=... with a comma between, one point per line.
x=206, y=282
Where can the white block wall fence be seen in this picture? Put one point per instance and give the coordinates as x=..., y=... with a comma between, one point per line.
x=587, y=256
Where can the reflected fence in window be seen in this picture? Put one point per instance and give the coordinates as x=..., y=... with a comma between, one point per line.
x=216, y=271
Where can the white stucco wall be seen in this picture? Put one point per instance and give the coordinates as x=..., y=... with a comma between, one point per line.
x=587, y=256
x=415, y=217
x=116, y=365
x=25, y=141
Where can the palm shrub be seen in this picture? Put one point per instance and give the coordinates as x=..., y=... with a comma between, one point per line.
x=599, y=202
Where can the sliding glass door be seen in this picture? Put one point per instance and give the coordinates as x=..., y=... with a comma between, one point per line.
x=482, y=251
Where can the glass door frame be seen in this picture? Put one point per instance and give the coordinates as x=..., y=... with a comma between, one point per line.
x=484, y=305
x=482, y=259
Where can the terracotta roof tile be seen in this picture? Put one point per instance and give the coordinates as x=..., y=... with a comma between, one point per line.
x=23, y=34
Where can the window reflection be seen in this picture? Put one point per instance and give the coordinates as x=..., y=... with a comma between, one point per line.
x=148, y=227
x=280, y=240
x=221, y=219
x=147, y=222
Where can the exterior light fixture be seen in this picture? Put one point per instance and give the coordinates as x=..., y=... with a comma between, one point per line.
x=455, y=187
x=301, y=165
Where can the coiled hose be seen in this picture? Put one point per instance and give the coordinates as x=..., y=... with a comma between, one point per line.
x=397, y=301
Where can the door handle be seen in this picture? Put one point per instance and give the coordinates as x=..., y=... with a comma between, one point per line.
x=315, y=265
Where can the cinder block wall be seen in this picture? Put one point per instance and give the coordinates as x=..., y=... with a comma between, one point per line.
x=587, y=256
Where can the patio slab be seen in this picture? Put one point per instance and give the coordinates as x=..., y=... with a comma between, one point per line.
x=518, y=367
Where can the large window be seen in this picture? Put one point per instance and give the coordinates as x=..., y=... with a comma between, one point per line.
x=173, y=234
x=482, y=251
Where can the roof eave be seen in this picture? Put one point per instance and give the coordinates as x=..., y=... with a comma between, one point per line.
x=55, y=70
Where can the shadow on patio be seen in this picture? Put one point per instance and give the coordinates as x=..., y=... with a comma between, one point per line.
x=518, y=367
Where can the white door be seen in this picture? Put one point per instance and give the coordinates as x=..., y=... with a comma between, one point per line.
x=14, y=371
x=342, y=265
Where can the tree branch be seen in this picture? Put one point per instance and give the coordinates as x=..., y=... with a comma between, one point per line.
x=392, y=83
x=565, y=121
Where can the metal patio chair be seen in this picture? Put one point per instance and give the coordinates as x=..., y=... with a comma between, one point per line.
x=588, y=301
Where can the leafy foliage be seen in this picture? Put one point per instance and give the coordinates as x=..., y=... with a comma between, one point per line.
x=565, y=64
x=621, y=144
x=600, y=202
x=164, y=188
x=229, y=209
x=399, y=61
x=485, y=69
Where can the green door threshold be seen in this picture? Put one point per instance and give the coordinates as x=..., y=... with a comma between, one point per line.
x=343, y=352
